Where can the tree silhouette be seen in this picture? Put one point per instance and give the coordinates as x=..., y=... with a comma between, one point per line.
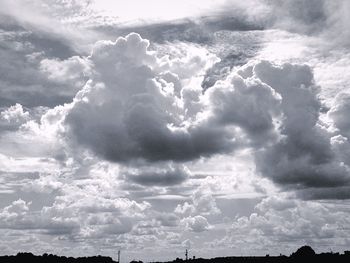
x=304, y=251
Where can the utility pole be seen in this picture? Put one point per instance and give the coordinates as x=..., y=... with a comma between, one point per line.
x=186, y=254
x=118, y=256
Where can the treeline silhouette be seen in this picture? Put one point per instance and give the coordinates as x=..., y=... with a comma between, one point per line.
x=49, y=258
x=303, y=254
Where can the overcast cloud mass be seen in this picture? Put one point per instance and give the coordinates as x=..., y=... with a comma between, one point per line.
x=152, y=127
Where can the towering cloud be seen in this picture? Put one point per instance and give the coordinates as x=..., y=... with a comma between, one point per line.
x=137, y=106
x=304, y=155
x=142, y=105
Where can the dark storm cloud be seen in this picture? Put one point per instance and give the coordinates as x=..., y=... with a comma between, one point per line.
x=339, y=193
x=146, y=137
x=304, y=155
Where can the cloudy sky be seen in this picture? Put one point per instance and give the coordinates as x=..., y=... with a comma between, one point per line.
x=156, y=126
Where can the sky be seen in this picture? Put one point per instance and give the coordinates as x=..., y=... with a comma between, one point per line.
x=152, y=127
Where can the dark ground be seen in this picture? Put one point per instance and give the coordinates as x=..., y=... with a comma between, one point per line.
x=303, y=254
